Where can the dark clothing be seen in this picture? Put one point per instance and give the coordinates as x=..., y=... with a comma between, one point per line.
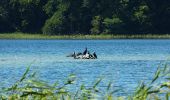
x=95, y=56
x=78, y=54
x=85, y=51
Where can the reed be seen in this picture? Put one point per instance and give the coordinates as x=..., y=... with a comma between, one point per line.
x=18, y=35
x=28, y=87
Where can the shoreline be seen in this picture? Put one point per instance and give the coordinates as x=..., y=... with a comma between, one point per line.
x=27, y=36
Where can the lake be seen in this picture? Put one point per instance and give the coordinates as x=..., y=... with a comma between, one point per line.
x=124, y=62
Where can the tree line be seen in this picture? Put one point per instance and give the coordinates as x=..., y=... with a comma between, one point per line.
x=58, y=17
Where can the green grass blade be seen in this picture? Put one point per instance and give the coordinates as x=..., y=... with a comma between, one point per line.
x=24, y=75
x=97, y=82
x=156, y=75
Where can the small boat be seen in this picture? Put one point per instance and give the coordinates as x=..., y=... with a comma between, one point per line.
x=85, y=55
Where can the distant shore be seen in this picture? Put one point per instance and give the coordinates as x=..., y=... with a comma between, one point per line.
x=80, y=36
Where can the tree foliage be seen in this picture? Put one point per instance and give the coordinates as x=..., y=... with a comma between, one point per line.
x=96, y=25
x=85, y=16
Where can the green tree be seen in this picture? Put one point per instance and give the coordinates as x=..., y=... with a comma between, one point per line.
x=79, y=16
x=5, y=25
x=50, y=7
x=113, y=25
x=160, y=14
x=26, y=15
x=141, y=18
x=96, y=25
x=55, y=24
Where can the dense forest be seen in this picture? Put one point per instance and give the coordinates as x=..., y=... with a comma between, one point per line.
x=85, y=16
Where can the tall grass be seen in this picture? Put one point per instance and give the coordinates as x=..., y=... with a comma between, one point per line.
x=28, y=87
x=19, y=35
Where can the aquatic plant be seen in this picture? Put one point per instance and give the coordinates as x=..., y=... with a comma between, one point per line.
x=19, y=35
x=28, y=87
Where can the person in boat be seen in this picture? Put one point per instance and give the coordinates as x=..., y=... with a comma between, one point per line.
x=85, y=51
x=94, y=55
x=91, y=56
x=74, y=55
x=78, y=54
x=86, y=56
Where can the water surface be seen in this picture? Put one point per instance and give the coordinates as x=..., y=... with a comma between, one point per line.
x=124, y=62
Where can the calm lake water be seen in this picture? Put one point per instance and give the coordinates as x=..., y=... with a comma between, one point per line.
x=124, y=62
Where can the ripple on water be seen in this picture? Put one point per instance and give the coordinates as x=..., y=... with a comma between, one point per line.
x=124, y=62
